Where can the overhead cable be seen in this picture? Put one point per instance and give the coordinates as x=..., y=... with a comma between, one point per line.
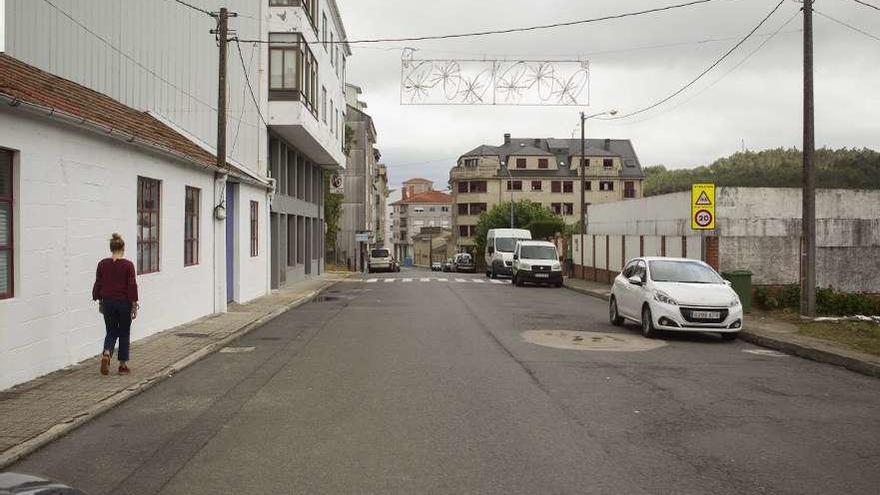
x=866, y=4
x=181, y=2
x=705, y=71
x=512, y=30
x=850, y=26
x=248, y=81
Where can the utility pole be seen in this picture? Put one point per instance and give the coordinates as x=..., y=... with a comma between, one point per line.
x=583, y=229
x=808, y=222
x=222, y=33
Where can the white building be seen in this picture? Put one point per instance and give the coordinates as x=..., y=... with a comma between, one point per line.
x=108, y=124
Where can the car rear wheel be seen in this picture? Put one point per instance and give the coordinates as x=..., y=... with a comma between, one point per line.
x=648, y=329
x=613, y=314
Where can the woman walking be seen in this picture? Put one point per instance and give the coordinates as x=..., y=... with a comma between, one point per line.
x=115, y=290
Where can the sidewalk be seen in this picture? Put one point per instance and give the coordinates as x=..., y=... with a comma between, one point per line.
x=38, y=412
x=772, y=333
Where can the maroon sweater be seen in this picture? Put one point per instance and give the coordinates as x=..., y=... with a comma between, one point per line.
x=115, y=280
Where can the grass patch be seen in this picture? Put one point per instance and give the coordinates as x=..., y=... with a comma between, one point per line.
x=856, y=335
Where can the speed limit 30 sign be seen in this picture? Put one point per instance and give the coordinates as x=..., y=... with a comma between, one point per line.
x=703, y=207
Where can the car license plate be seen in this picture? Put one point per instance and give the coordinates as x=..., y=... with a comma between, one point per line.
x=542, y=275
x=706, y=315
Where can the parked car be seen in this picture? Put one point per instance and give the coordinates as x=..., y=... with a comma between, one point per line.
x=436, y=266
x=536, y=262
x=500, y=244
x=447, y=265
x=380, y=259
x=675, y=294
x=464, y=262
x=24, y=484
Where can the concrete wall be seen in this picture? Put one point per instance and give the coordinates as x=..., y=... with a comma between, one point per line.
x=70, y=197
x=758, y=229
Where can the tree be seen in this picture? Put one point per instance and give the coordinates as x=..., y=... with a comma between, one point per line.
x=842, y=168
x=332, y=212
x=543, y=223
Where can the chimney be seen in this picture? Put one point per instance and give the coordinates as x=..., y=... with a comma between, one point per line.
x=507, y=138
x=607, y=145
x=537, y=142
x=404, y=193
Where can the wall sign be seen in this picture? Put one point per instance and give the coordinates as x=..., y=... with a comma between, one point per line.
x=703, y=207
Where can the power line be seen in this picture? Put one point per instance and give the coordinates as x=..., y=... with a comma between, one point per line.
x=706, y=71
x=850, y=26
x=243, y=103
x=127, y=56
x=248, y=81
x=866, y=4
x=514, y=30
x=731, y=70
x=181, y=2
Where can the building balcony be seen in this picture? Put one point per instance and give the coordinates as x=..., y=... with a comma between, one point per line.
x=294, y=120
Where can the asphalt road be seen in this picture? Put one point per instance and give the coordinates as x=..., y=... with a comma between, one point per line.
x=413, y=386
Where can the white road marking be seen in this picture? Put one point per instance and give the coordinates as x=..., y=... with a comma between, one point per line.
x=372, y=280
x=460, y=280
x=442, y=280
x=479, y=281
x=407, y=280
x=424, y=279
x=389, y=280
x=496, y=281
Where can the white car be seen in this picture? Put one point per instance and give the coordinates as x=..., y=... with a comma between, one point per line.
x=675, y=294
x=536, y=262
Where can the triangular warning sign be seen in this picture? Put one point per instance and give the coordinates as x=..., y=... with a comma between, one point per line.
x=703, y=200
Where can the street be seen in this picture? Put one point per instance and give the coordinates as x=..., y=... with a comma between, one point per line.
x=426, y=386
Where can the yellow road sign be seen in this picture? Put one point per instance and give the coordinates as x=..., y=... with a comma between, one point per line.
x=703, y=207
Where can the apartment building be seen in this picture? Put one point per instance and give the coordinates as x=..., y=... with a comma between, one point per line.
x=106, y=127
x=420, y=206
x=542, y=170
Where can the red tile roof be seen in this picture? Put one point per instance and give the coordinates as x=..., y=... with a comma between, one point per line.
x=24, y=82
x=429, y=197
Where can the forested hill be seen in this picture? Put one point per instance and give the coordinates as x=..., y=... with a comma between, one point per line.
x=843, y=168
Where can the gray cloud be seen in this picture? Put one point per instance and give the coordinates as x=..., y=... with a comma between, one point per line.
x=759, y=103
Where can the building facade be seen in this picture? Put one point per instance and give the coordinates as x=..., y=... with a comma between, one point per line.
x=544, y=171
x=425, y=208
x=106, y=127
x=431, y=245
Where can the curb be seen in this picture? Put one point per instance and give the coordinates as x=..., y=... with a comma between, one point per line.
x=828, y=355
x=57, y=431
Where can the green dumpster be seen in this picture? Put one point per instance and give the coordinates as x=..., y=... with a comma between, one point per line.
x=741, y=282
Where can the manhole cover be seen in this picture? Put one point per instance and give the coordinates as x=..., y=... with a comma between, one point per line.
x=192, y=335
x=591, y=341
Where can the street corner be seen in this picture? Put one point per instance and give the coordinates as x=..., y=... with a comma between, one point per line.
x=576, y=340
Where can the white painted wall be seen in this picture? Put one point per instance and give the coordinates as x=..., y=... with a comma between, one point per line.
x=251, y=273
x=71, y=195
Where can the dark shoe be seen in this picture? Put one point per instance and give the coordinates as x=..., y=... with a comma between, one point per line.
x=123, y=369
x=105, y=364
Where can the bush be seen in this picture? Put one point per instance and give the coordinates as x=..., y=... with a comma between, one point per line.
x=829, y=302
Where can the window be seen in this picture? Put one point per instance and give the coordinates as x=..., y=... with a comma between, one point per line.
x=255, y=227
x=606, y=185
x=7, y=271
x=324, y=104
x=567, y=186
x=629, y=189
x=537, y=185
x=463, y=231
x=477, y=208
x=556, y=186
x=463, y=209
x=585, y=162
x=471, y=162
x=556, y=208
x=464, y=187
x=332, y=50
x=608, y=163
x=191, y=210
x=588, y=186
x=283, y=3
x=478, y=186
x=148, y=209
x=520, y=163
x=432, y=209
x=293, y=70
x=419, y=209
x=515, y=185
x=543, y=163
x=324, y=29
x=444, y=209
x=310, y=6
x=568, y=208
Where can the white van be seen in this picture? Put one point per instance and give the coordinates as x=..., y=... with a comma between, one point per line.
x=536, y=262
x=500, y=244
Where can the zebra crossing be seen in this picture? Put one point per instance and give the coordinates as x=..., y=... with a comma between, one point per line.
x=421, y=280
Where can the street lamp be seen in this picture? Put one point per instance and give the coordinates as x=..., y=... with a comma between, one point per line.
x=510, y=183
x=583, y=228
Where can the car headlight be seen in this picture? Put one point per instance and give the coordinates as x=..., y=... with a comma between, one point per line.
x=556, y=267
x=525, y=266
x=734, y=302
x=664, y=298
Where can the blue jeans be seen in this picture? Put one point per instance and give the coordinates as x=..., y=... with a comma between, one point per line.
x=117, y=320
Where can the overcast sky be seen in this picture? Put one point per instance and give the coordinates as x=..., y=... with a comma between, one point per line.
x=758, y=104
